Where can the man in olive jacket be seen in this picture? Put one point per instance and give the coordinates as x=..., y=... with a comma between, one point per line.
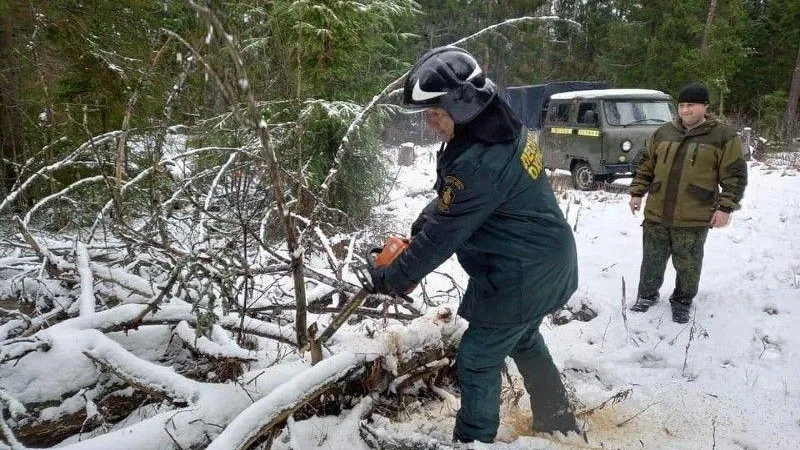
x=694, y=176
x=496, y=212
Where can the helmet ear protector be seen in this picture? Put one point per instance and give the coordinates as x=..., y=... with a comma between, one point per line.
x=450, y=78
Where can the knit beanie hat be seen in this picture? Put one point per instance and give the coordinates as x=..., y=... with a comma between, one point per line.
x=693, y=93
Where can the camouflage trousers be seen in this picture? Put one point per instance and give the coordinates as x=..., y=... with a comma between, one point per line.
x=685, y=246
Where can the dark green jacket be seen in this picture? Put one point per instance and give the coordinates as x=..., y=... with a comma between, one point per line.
x=496, y=211
x=687, y=175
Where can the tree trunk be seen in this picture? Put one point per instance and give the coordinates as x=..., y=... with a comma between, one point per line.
x=712, y=14
x=790, y=121
x=11, y=144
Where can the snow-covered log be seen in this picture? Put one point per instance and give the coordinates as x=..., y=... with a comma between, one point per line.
x=280, y=404
x=258, y=403
x=146, y=376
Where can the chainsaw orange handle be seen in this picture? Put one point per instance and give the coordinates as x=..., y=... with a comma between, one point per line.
x=394, y=246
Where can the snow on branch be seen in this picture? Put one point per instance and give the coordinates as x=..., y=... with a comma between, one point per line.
x=15, y=408
x=515, y=21
x=379, y=439
x=122, y=318
x=101, y=216
x=72, y=187
x=17, y=348
x=147, y=376
x=217, y=406
x=279, y=404
x=8, y=436
x=87, y=300
x=206, y=346
x=125, y=279
x=66, y=162
x=53, y=262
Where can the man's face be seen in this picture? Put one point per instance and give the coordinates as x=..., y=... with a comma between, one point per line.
x=692, y=114
x=440, y=123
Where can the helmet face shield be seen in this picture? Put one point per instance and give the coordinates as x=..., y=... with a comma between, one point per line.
x=450, y=78
x=412, y=109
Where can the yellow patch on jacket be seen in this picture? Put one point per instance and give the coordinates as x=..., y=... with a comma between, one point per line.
x=532, y=158
x=451, y=185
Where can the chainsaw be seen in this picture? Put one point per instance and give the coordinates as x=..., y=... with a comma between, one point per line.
x=378, y=257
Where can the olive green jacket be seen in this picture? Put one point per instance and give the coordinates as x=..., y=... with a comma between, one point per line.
x=682, y=173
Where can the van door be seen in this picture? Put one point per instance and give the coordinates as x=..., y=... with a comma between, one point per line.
x=588, y=142
x=555, y=138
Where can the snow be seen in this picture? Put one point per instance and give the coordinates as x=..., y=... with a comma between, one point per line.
x=87, y=300
x=725, y=380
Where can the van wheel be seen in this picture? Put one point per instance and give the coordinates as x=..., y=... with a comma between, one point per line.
x=582, y=177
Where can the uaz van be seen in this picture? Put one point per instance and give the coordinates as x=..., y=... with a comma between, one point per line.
x=596, y=134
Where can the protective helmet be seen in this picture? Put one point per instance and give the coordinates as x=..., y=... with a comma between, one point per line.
x=450, y=78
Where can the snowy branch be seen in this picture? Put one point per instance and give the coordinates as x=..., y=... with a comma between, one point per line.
x=206, y=346
x=148, y=377
x=279, y=404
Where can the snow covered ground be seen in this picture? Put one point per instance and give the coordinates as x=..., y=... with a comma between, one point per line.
x=726, y=380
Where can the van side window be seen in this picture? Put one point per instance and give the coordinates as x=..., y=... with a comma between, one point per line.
x=558, y=113
x=587, y=113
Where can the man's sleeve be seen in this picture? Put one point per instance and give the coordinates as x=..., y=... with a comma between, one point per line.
x=732, y=176
x=465, y=200
x=416, y=227
x=644, y=173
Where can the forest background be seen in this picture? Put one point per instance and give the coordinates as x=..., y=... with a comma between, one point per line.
x=72, y=69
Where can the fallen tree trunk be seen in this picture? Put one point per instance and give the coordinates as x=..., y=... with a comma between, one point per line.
x=280, y=404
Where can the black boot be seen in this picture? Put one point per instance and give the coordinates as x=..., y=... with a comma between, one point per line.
x=680, y=313
x=643, y=304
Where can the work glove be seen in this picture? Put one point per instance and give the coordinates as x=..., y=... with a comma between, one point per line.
x=378, y=277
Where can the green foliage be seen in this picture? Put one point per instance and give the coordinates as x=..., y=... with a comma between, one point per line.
x=514, y=55
x=329, y=49
x=656, y=44
x=361, y=175
x=81, y=62
x=771, y=39
x=770, y=112
x=318, y=58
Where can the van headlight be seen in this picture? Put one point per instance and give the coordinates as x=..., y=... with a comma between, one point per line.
x=626, y=145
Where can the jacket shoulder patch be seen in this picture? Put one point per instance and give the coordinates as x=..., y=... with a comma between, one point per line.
x=452, y=184
x=531, y=158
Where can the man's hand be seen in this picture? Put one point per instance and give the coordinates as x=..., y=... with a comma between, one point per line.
x=720, y=219
x=635, y=203
x=378, y=276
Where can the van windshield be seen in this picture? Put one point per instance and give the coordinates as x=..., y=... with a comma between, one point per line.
x=637, y=112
